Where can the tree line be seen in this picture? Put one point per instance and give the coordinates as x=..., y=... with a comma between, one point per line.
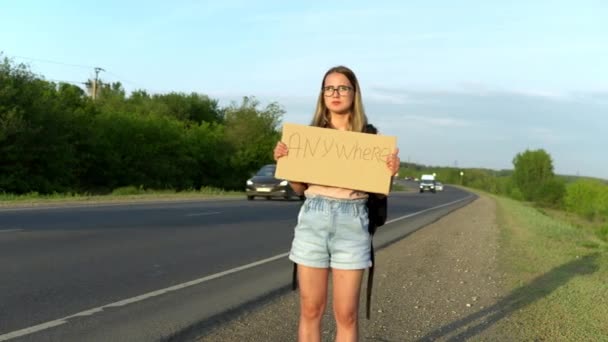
x=54, y=138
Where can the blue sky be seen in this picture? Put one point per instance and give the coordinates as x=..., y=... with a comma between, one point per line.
x=465, y=83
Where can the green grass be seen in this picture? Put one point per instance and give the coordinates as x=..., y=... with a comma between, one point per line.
x=124, y=194
x=398, y=187
x=556, y=277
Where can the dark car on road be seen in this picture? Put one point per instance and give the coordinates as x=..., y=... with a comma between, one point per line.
x=264, y=184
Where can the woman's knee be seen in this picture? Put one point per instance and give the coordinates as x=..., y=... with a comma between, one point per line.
x=346, y=317
x=312, y=310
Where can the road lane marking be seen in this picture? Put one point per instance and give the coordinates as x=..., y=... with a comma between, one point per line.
x=89, y=312
x=32, y=330
x=99, y=205
x=204, y=214
x=92, y=311
x=10, y=230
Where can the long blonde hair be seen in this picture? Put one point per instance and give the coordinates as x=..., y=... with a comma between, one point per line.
x=358, y=119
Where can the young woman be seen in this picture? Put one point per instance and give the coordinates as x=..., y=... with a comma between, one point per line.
x=332, y=231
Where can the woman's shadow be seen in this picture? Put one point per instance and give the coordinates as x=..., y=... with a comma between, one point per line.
x=519, y=298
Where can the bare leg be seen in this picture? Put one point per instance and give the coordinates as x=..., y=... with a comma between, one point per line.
x=313, y=298
x=346, y=290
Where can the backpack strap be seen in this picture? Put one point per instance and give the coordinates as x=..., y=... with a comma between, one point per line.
x=369, y=128
x=370, y=283
x=294, y=277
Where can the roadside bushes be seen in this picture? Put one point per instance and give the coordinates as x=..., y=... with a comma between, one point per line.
x=551, y=193
x=587, y=198
x=54, y=138
x=602, y=232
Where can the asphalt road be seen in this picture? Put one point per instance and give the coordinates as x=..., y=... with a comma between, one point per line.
x=147, y=272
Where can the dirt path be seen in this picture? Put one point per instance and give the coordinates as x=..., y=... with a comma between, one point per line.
x=436, y=284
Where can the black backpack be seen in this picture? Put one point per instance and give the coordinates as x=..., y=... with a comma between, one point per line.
x=377, y=210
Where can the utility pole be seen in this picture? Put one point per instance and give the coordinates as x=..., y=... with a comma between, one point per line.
x=95, y=84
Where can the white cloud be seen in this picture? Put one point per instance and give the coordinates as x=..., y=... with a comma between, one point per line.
x=387, y=98
x=413, y=92
x=434, y=121
x=546, y=94
x=549, y=136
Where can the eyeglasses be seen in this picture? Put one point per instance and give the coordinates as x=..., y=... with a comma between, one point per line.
x=342, y=90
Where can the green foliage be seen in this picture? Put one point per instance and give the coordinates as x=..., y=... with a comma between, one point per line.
x=587, y=198
x=602, y=232
x=38, y=139
x=207, y=146
x=602, y=202
x=253, y=133
x=128, y=190
x=505, y=186
x=551, y=193
x=481, y=179
x=132, y=149
x=516, y=194
x=55, y=138
x=398, y=187
x=532, y=170
x=194, y=107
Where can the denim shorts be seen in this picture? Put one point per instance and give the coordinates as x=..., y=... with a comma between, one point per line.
x=332, y=233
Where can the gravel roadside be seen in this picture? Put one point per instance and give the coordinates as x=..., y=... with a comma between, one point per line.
x=439, y=283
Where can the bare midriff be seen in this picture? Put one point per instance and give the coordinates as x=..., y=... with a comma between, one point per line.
x=329, y=191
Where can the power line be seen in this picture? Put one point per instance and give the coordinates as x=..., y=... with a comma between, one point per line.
x=95, y=68
x=54, y=62
x=122, y=79
x=64, y=81
x=79, y=66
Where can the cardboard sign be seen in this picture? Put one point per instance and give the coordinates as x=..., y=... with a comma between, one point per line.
x=336, y=158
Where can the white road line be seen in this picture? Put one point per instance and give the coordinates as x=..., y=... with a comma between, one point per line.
x=92, y=311
x=31, y=330
x=89, y=312
x=94, y=205
x=204, y=214
x=10, y=230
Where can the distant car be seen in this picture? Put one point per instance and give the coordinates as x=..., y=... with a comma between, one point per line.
x=264, y=184
x=427, y=185
x=438, y=186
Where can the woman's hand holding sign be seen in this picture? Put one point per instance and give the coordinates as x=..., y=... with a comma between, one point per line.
x=393, y=162
x=280, y=150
